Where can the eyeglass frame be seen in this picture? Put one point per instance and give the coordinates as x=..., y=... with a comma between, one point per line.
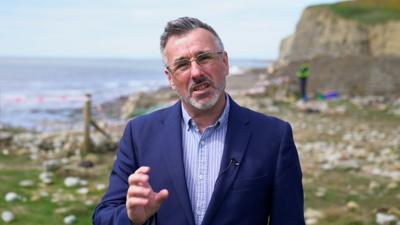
x=191, y=59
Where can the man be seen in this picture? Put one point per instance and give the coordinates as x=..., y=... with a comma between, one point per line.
x=204, y=160
x=303, y=73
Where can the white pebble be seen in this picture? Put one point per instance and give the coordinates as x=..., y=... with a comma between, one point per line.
x=83, y=182
x=45, y=177
x=100, y=187
x=44, y=194
x=71, y=181
x=64, y=161
x=7, y=216
x=11, y=197
x=385, y=219
x=311, y=221
x=26, y=183
x=82, y=191
x=70, y=219
x=89, y=202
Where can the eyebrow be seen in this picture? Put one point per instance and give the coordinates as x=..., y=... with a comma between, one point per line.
x=187, y=58
x=181, y=59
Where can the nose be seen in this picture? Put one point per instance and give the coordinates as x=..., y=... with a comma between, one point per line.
x=195, y=70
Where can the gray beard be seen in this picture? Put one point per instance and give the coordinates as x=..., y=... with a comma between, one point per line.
x=204, y=106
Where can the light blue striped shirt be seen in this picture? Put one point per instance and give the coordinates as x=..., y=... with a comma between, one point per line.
x=202, y=154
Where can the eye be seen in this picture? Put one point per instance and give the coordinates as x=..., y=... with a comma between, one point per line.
x=204, y=58
x=181, y=64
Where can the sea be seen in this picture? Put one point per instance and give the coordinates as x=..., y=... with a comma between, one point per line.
x=45, y=94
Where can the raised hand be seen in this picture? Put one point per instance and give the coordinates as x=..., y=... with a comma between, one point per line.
x=141, y=201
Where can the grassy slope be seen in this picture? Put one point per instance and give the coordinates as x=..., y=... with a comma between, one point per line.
x=368, y=11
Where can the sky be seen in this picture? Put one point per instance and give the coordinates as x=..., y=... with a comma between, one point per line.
x=130, y=29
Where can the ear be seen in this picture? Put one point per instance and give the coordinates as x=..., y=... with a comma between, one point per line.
x=225, y=60
x=170, y=79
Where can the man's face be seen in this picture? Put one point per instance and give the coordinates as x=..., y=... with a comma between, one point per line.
x=201, y=83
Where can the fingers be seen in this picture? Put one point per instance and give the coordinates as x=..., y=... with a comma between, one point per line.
x=145, y=197
x=139, y=186
x=140, y=192
x=141, y=201
x=133, y=202
x=143, y=169
x=161, y=196
x=140, y=177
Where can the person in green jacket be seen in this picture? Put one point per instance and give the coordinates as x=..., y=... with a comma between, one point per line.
x=303, y=73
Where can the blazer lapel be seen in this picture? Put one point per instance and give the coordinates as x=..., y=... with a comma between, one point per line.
x=236, y=141
x=172, y=151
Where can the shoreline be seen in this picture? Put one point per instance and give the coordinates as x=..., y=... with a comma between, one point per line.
x=246, y=82
x=61, y=119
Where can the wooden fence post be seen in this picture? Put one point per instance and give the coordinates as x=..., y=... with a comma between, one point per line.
x=87, y=121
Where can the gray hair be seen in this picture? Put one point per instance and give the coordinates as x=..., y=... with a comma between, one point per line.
x=182, y=26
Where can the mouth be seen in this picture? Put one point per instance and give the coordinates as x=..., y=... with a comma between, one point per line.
x=201, y=86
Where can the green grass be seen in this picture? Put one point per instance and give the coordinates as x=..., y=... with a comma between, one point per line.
x=342, y=187
x=43, y=210
x=368, y=11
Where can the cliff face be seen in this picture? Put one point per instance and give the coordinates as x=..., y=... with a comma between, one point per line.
x=320, y=32
x=343, y=54
x=385, y=39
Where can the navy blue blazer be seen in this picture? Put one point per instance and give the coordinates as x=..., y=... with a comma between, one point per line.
x=260, y=179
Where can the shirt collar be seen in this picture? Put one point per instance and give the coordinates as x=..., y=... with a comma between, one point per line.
x=222, y=120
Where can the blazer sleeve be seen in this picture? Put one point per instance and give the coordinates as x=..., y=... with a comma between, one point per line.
x=287, y=198
x=112, y=209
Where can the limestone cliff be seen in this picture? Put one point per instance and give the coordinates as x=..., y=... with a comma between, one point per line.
x=344, y=53
x=320, y=32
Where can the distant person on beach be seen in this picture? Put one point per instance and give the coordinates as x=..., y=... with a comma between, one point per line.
x=205, y=160
x=303, y=73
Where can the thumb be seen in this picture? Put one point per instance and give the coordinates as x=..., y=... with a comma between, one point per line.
x=161, y=197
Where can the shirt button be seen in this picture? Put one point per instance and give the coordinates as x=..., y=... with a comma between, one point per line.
x=202, y=142
x=200, y=177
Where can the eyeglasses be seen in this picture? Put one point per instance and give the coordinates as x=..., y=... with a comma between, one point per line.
x=182, y=65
